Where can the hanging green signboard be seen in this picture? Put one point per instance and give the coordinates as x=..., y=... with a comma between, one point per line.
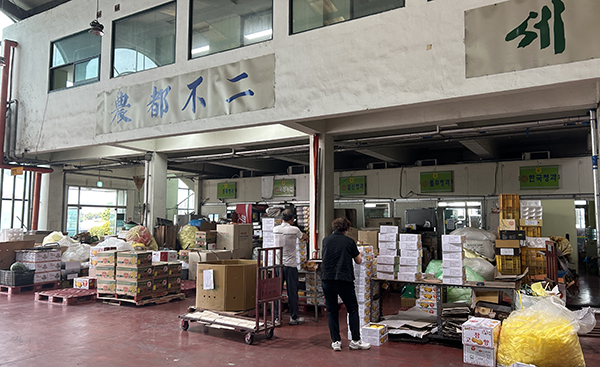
x=284, y=187
x=539, y=177
x=353, y=185
x=437, y=181
x=226, y=190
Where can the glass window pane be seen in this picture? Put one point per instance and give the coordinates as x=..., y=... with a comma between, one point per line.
x=224, y=25
x=311, y=14
x=145, y=40
x=7, y=184
x=73, y=195
x=18, y=221
x=72, y=221
x=6, y=214
x=61, y=77
x=87, y=70
x=92, y=196
x=74, y=48
x=19, y=185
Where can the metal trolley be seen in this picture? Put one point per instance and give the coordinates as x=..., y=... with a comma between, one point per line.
x=267, y=314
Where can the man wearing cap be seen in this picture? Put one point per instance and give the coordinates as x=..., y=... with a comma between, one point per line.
x=285, y=236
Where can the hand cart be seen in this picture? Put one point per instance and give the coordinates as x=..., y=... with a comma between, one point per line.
x=269, y=283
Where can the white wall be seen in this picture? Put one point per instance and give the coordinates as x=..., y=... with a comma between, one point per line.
x=410, y=60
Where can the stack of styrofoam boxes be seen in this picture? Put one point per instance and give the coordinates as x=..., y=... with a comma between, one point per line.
x=411, y=257
x=374, y=334
x=46, y=264
x=387, y=260
x=480, y=341
x=314, y=288
x=531, y=218
x=452, y=260
x=427, y=301
x=362, y=285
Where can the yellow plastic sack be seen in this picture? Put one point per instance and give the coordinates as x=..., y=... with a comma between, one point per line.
x=544, y=335
x=52, y=237
x=187, y=236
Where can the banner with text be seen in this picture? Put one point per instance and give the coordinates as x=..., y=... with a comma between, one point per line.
x=436, y=181
x=226, y=190
x=353, y=185
x=284, y=187
x=539, y=177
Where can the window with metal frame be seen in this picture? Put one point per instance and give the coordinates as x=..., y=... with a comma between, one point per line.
x=90, y=208
x=75, y=60
x=15, y=205
x=218, y=25
x=144, y=40
x=311, y=14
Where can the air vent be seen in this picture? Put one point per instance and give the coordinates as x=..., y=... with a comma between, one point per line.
x=377, y=165
x=426, y=162
x=295, y=170
x=536, y=155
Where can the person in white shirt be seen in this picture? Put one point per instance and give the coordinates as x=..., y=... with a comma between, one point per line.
x=285, y=236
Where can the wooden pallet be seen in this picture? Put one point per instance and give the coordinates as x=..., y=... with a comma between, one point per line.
x=10, y=290
x=66, y=297
x=119, y=299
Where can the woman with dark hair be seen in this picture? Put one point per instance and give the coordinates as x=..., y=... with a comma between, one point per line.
x=337, y=278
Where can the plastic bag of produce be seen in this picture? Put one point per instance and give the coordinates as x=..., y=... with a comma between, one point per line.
x=140, y=234
x=77, y=252
x=479, y=241
x=187, y=236
x=433, y=267
x=481, y=266
x=544, y=335
x=52, y=237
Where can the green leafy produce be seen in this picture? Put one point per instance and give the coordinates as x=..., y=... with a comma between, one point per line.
x=18, y=267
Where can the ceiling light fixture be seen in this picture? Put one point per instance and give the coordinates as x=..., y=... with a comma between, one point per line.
x=96, y=29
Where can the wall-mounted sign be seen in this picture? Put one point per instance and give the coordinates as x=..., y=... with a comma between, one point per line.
x=226, y=190
x=15, y=171
x=436, y=181
x=539, y=177
x=353, y=185
x=285, y=187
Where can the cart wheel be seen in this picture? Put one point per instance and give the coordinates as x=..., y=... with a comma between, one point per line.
x=269, y=333
x=185, y=325
x=249, y=338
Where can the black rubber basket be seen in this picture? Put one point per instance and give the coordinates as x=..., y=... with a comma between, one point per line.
x=16, y=278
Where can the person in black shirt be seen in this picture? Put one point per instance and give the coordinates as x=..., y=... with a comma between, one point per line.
x=337, y=278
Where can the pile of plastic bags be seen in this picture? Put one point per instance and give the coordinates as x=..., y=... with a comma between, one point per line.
x=141, y=234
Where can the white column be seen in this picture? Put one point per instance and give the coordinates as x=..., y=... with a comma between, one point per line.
x=52, y=201
x=156, y=200
x=321, y=190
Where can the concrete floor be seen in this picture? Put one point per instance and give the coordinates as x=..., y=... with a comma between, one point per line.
x=97, y=334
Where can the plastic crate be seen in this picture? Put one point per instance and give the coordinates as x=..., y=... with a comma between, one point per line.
x=508, y=265
x=532, y=231
x=509, y=201
x=532, y=258
x=13, y=278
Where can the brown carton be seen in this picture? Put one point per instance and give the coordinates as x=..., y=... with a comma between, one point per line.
x=197, y=256
x=106, y=286
x=134, y=287
x=141, y=258
x=134, y=272
x=161, y=269
x=234, y=236
x=233, y=287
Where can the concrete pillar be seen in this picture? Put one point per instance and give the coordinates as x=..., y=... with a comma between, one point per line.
x=156, y=200
x=321, y=190
x=52, y=201
x=198, y=195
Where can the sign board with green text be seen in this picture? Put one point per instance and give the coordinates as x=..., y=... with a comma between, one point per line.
x=539, y=177
x=226, y=190
x=437, y=181
x=353, y=185
x=284, y=187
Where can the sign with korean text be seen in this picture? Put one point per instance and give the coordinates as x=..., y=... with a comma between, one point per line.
x=285, y=187
x=16, y=171
x=539, y=177
x=353, y=185
x=436, y=181
x=226, y=190
x=524, y=34
x=247, y=85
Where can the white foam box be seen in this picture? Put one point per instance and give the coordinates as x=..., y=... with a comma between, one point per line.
x=41, y=266
x=409, y=269
x=453, y=272
x=386, y=276
x=427, y=288
x=431, y=311
x=361, y=280
x=411, y=253
x=537, y=242
x=451, y=247
x=426, y=296
x=414, y=261
x=388, y=268
x=47, y=276
x=363, y=272
x=426, y=304
x=479, y=356
x=454, y=280
x=388, y=244
x=410, y=237
x=452, y=255
x=481, y=332
x=165, y=255
x=381, y=259
x=362, y=297
x=39, y=255
x=365, y=250
x=453, y=239
x=388, y=252
x=388, y=229
x=409, y=277
x=363, y=288
x=452, y=263
x=410, y=245
x=387, y=237
x=375, y=341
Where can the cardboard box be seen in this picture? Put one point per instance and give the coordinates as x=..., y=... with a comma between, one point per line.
x=37, y=255
x=508, y=247
x=479, y=356
x=41, y=266
x=134, y=272
x=233, y=288
x=368, y=237
x=410, y=245
x=106, y=257
x=386, y=275
x=136, y=288
x=481, y=332
x=198, y=256
x=409, y=237
x=408, y=269
x=136, y=258
x=234, y=236
x=84, y=283
x=452, y=255
x=512, y=235
x=507, y=225
x=161, y=269
x=206, y=236
x=169, y=255
x=409, y=277
x=105, y=271
x=184, y=255
x=389, y=229
x=452, y=263
x=413, y=261
x=530, y=222
x=372, y=330
x=452, y=247
x=160, y=285
x=46, y=277
x=388, y=268
x=453, y=239
x=106, y=286
x=383, y=251
x=174, y=269
x=7, y=251
x=411, y=253
x=269, y=223
x=453, y=272
x=174, y=284
x=382, y=259
x=454, y=280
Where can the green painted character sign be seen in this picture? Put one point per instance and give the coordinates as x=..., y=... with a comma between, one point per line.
x=436, y=181
x=539, y=177
x=226, y=190
x=543, y=27
x=353, y=185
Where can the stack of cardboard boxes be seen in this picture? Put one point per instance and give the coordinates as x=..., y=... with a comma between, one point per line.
x=480, y=338
x=106, y=262
x=46, y=264
x=362, y=285
x=135, y=274
x=427, y=300
x=452, y=260
x=374, y=334
x=236, y=238
x=388, y=260
x=411, y=257
x=206, y=240
x=94, y=250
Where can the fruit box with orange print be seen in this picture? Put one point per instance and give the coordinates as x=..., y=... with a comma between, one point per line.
x=481, y=332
